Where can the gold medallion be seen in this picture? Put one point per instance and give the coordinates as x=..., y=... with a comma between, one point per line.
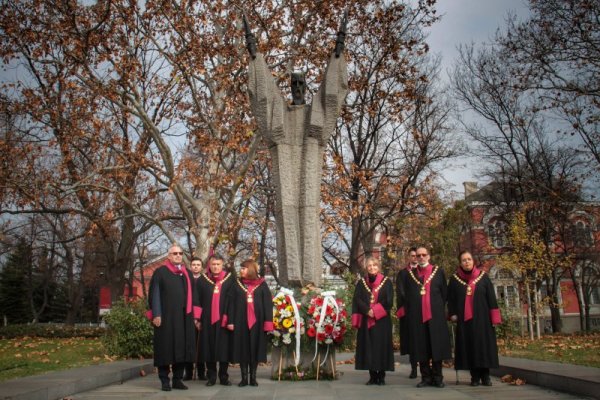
x=216, y=289
x=250, y=300
x=423, y=291
x=469, y=291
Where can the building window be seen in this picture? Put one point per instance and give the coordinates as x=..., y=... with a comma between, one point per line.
x=595, y=297
x=505, y=274
x=507, y=296
x=582, y=234
x=497, y=233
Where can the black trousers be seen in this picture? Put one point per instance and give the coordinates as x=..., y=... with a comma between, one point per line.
x=163, y=372
x=211, y=371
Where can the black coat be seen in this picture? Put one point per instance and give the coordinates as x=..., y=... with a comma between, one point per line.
x=250, y=345
x=436, y=328
x=475, y=345
x=174, y=340
x=402, y=324
x=215, y=341
x=374, y=346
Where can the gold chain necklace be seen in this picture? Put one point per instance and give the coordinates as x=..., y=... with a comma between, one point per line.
x=423, y=290
x=249, y=293
x=376, y=290
x=217, y=286
x=469, y=290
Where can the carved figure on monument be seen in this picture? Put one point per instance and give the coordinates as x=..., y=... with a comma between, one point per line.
x=296, y=134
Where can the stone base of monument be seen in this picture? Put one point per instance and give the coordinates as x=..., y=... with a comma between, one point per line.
x=319, y=366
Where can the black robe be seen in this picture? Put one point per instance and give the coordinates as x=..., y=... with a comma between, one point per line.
x=402, y=323
x=436, y=328
x=250, y=345
x=475, y=345
x=174, y=339
x=374, y=346
x=215, y=341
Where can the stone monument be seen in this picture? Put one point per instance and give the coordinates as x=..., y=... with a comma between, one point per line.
x=297, y=134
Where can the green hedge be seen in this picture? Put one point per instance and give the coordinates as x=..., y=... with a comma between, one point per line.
x=49, y=331
x=128, y=332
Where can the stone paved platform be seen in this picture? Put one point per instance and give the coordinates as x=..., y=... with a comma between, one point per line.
x=122, y=380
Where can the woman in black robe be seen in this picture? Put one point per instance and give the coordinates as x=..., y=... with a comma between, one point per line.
x=250, y=318
x=371, y=306
x=472, y=305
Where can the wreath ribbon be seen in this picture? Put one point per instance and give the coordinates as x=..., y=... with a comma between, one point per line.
x=297, y=318
x=328, y=297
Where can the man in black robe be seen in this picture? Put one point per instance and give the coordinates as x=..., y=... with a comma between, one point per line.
x=214, y=287
x=173, y=310
x=196, y=268
x=403, y=324
x=422, y=300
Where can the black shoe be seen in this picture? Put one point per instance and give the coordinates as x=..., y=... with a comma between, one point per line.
x=253, y=383
x=243, y=383
x=226, y=383
x=413, y=374
x=474, y=382
x=486, y=381
x=423, y=384
x=165, y=387
x=439, y=384
x=381, y=382
x=179, y=385
x=371, y=382
x=210, y=383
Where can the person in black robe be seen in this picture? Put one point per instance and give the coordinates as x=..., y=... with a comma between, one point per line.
x=200, y=370
x=173, y=310
x=214, y=288
x=402, y=323
x=371, y=304
x=251, y=318
x=472, y=305
x=422, y=301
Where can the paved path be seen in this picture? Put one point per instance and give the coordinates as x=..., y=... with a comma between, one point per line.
x=123, y=380
x=351, y=386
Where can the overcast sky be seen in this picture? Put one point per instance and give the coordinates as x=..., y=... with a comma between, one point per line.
x=466, y=21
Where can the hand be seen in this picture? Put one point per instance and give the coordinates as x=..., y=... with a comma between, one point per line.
x=198, y=325
x=341, y=36
x=156, y=321
x=250, y=38
x=453, y=318
x=371, y=314
x=230, y=327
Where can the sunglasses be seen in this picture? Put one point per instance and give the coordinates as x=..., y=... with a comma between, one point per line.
x=177, y=253
x=421, y=255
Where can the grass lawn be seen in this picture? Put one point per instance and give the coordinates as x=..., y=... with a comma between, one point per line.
x=568, y=349
x=31, y=356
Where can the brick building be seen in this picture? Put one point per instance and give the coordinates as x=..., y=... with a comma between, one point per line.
x=486, y=237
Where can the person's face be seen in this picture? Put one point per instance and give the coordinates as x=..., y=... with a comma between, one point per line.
x=243, y=272
x=422, y=256
x=466, y=262
x=196, y=267
x=372, y=267
x=412, y=257
x=216, y=266
x=175, y=255
x=298, y=88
